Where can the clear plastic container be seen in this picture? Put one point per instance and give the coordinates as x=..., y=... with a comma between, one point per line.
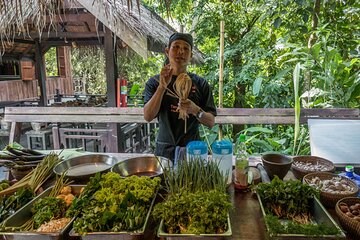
x=241, y=162
x=196, y=149
x=223, y=154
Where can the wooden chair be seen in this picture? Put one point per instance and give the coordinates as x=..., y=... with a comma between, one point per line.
x=71, y=137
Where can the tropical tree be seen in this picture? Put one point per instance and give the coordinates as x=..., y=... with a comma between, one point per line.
x=264, y=40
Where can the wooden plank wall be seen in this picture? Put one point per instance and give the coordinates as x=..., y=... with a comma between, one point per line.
x=65, y=85
x=18, y=90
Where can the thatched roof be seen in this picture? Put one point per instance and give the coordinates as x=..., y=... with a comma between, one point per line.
x=54, y=22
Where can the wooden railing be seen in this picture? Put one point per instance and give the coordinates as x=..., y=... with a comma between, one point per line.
x=17, y=115
x=131, y=115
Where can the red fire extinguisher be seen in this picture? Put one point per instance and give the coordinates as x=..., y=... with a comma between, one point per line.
x=122, y=93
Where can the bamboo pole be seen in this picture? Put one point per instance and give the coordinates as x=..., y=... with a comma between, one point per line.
x=221, y=69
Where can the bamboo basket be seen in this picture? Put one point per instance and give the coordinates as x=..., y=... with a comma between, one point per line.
x=299, y=173
x=347, y=223
x=329, y=199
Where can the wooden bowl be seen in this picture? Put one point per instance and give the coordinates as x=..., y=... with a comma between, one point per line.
x=317, y=164
x=330, y=199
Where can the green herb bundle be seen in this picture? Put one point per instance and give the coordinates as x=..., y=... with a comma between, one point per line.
x=195, y=213
x=36, y=177
x=115, y=204
x=195, y=175
x=290, y=199
x=197, y=202
x=311, y=229
x=47, y=208
x=12, y=203
x=287, y=207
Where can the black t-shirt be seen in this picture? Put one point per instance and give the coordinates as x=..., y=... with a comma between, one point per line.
x=171, y=128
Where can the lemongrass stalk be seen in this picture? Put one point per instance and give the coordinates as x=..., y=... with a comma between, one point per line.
x=296, y=78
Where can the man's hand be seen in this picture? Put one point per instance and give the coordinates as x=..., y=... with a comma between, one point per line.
x=165, y=76
x=189, y=106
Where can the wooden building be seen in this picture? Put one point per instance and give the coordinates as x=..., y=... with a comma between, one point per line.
x=18, y=80
x=29, y=28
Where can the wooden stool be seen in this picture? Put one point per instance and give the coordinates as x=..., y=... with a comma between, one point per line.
x=39, y=139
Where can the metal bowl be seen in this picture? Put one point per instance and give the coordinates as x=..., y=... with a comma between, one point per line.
x=83, y=167
x=150, y=166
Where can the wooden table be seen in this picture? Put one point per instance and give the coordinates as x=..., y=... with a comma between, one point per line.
x=246, y=218
x=247, y=221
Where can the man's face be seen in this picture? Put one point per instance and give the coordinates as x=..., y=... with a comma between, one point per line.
x=179, y=53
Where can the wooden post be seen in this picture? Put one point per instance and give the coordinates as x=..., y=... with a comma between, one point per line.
x=110, y=66
x=40, y=73
x=221, y=70
x=111, y=76
x=15, y=132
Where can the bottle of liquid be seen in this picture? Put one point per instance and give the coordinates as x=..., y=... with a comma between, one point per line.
x=241, y=162
x=349, y=173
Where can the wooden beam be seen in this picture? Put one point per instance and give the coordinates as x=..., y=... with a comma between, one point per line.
x=16, y=56
x=17, y=40
x=69, y=35
x=78, y=43
x=41, y=73
x=111, y=67
x=71, y=18
x=28, y=49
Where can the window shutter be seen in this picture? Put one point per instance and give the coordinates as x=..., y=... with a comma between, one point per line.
x=61, y=61
x=27, y=70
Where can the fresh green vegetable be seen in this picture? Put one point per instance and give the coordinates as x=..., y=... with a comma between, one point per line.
x=287, y=207
x=290, y=199
x=4, y=184
x=82, y=201
x=290, y=227
x=195, y=213
x=36, y=177
x=197, y=201
x=12, y=203
x=112, y=203
x=195, y=175
x=46, y=209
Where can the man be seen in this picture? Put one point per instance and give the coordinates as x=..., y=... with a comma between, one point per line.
x=160, y=103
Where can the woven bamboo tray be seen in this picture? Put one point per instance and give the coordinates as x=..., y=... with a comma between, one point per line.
x=329, y=199
x=299, y=173
x=349, y=224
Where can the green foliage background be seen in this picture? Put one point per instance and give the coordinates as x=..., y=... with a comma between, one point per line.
x=264, y=40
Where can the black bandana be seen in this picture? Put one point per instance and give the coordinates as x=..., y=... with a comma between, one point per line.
x=182, y=36
x=179, y=36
